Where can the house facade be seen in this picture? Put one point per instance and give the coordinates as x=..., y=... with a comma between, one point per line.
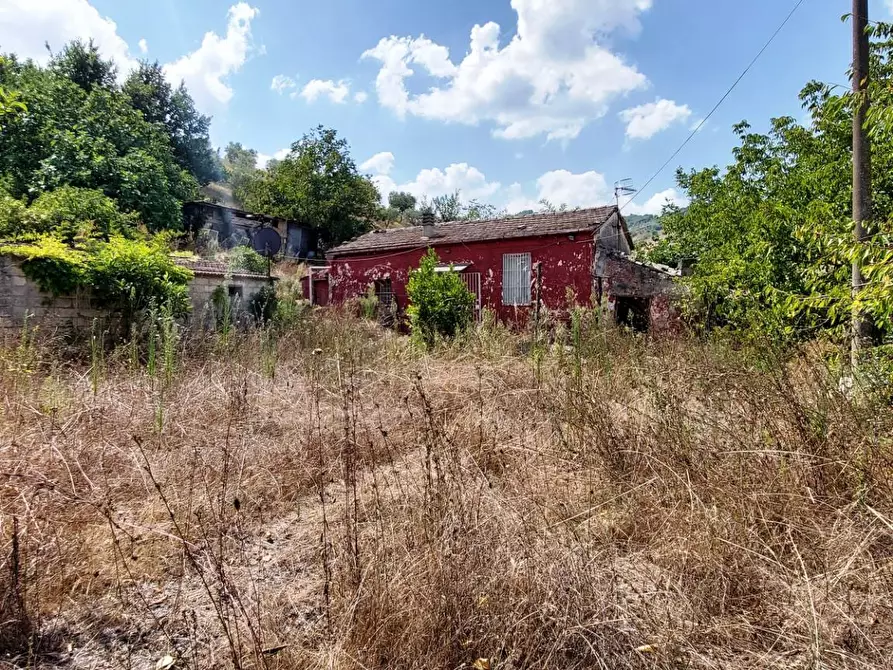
x=512, y=265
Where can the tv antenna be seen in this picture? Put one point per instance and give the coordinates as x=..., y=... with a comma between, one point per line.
x=623, y=187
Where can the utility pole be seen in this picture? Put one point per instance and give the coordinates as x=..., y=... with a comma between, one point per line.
x=861, y=162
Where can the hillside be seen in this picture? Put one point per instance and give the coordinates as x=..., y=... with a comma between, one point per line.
x=644, y=226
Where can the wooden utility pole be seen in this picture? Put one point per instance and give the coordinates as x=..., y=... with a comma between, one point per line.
x=861, y=161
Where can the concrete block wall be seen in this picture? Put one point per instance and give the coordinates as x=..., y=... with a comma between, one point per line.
x=19, y=296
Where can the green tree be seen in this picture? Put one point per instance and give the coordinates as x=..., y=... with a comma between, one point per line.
x=771, y=234
x=318, y=183
x=90, y=138
x=239, y=168
x=448, y=207
x=173, y=108
x=83, y=65
x=69, y=212
x=440, y=303
x=401, y=201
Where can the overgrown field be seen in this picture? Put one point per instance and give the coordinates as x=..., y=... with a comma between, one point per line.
x=329, y=497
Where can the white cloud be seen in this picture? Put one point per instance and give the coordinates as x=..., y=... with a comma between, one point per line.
x=281, y=83
x=645, y=121
x=360, y=97
x=552, y=78
x=335, y=92
x=655, y=204
x=206, y=69
x=471, y=183
x=264, y=159
x=380, y=164
x=26, y=26
x=144, y=46
x=561, y=187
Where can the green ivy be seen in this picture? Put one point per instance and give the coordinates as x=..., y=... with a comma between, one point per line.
x=121, y=273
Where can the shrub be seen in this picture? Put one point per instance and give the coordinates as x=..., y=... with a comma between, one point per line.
x=70, y=212
x=440, y=302
x=122, y=274
x=247, y=259
x=263, y=305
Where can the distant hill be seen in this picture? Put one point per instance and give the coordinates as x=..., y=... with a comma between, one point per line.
x=644, y=226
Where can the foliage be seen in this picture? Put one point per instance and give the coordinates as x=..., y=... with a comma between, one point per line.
x=173, y=108
x=120, y=273
x=239, y=168
x=440, y=302
x=247, y=259
x=264, y=305
x=318, y=182
x=70, y=212
x=83, y=65
x=80, y=130
x=401, y=201
x=448, y=207
x=771, y=236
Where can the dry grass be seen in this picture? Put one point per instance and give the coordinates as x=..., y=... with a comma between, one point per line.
x=331, y=498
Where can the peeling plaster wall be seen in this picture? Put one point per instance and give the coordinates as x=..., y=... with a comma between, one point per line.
x=626, y=279
x=566, y=264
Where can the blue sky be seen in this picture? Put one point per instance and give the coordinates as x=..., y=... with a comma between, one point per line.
x=507, y=100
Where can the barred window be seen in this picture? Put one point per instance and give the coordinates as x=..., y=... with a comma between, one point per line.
x=516, y=279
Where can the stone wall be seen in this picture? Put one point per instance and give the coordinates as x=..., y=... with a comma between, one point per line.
x=645, y=285
x=19, y=296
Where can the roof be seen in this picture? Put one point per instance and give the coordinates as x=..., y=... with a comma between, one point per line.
x=464, y=232
x=216, y=269
x=252, y=217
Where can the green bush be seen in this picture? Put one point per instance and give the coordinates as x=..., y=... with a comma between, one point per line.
x=263, y=305
x=248, y=260
x=72, y=212
x=124, y=274
x=14, y=218
x=440, y=302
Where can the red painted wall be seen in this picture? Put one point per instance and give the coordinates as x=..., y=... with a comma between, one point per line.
x=565, y=263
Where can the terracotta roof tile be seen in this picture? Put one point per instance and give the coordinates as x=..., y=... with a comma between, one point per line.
x=215, y=268
x=461, y=232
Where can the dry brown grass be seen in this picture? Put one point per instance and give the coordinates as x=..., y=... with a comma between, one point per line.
x=332, y=498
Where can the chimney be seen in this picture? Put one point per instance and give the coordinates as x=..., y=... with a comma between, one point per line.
x=428, y=229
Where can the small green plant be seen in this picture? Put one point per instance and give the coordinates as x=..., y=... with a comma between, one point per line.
x=369, y=304
x=440, y=303
x=262, y=305
x=247, y=259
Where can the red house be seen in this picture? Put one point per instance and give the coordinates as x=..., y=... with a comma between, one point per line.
x=579, y=257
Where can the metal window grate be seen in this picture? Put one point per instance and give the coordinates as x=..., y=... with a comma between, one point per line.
x=383, y=292
x=516, y=279
x=473, y=282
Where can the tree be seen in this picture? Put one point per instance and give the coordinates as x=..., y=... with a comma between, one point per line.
x=771, y=235
x=149, y=92
x=239, y=168
x=318, y=183
x=88, y=135
x=401, y=201
x=448, y=207
x=83, y=65
x=440, y=303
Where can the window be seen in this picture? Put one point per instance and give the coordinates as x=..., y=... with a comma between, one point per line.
x=235, y=293
x=383, y=292
x=516, y=279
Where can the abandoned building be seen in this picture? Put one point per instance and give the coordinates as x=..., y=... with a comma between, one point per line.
x=234, y=227
x=510, y=265
x=21, y=299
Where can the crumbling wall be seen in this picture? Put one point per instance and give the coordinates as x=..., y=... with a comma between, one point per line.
x=625, y=278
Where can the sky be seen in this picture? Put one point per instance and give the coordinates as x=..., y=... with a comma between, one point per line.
x=507, y=101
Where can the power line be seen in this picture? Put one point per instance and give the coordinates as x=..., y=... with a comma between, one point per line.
x=697, y=128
